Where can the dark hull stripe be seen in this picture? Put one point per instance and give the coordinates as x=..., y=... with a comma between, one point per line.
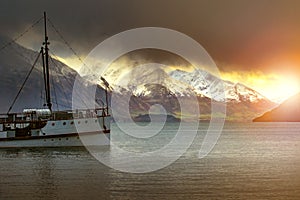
x=52, y=136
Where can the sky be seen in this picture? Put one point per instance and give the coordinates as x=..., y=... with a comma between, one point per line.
x=255, y=42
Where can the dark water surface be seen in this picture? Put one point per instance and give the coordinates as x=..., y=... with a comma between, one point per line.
x=250, y=161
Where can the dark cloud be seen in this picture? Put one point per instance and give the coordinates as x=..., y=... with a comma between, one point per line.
x=238, y=34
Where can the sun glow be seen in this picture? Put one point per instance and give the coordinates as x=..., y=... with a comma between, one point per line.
x=287, y=87
x=276, y=87
x=72, y=62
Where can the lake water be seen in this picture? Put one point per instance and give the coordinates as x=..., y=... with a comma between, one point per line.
x=250, y=161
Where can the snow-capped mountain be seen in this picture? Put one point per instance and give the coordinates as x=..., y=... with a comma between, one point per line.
x=180, y=83
x=153, y=84
x=147, y=84
x=143, y=77
x=215, y=88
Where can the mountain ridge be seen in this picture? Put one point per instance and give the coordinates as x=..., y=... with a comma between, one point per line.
x=151, y=85
x=16, y=60
x=287, y=111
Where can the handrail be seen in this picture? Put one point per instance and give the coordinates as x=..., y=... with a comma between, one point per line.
x=75, y=114
x=82, y=109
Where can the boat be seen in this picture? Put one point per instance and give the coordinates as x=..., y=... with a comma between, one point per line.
x=44, y=127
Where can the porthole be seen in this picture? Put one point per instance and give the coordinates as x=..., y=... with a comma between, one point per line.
x=67, y=138
x=78, y=122
x=64, y=123
x=52, y=139
x=72, y=123
x=53, y=124
x=86, y=121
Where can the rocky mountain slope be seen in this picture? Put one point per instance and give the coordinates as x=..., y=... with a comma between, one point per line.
x=16, y=62
x=211, y=86
x=152, y=84
x=145, y=86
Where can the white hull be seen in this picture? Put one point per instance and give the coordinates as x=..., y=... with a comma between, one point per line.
x=44, y=127
x=63, y=133
x=71, y=140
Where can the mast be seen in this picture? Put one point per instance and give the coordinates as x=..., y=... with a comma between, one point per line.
x=106, y=95
x=46, y=67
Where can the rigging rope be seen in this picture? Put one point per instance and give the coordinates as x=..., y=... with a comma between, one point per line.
x=73, y=51
x=12, y=42
x=14, y=101
x=43, y=95
x=65, y=41
x=56, y=69
x=21, y=35
x=67, y=80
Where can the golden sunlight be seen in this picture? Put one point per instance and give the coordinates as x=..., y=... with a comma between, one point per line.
x=284, y=88
x=72, y=62
x=274, y=86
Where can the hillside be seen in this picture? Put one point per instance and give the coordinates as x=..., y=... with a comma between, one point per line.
x=150, y=84
x=243, y=103
x=16, y=62
x=288, y=111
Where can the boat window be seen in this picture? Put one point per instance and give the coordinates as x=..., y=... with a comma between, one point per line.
x=64, y=123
